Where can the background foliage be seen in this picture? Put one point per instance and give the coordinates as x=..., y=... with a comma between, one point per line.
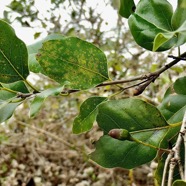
x=125, y=59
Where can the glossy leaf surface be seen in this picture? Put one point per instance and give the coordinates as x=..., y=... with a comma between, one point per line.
x=73, y=61
x=173, y=105
x=13, y=55
x=88, y=111
x=142, y=120
x=127, y=7
x=154, y=29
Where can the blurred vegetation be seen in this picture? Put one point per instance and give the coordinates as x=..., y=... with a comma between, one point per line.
x=126, y=59
x=87, y=21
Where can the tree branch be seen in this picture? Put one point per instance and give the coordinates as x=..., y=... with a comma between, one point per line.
x=150, y=77
x=140, y=87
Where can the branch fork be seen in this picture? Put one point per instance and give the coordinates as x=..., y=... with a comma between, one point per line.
x=174, y=159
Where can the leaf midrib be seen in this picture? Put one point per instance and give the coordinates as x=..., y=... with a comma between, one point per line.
x=12, y=65
x=94, y=72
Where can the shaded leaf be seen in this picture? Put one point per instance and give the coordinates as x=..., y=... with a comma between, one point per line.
x=13, y=55
x=179, y=183
x=73, y=61
x=142, y=120
x=38, y=101
x=180, y=86
x=127, y=7
x=88, y=111
x=7, y=109
x=173, y=105
x=16, y=86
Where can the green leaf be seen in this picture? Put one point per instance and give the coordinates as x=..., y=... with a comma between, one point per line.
x=13, y=55
x=142, y=120
x=7, y=105
x=173, y=105
x=127, y=7
x=37, y=34
x=160, y=39
x=38, y=101
x=179, y=183
x=7, y=109
x=16, y=86
x=179, y=15
x=33, y=64
x=180, y=86
x=33, y=49
x=154, y=26
x=88, y=111
x=73, y=61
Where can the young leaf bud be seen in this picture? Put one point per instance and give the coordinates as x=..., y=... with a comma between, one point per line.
x=120, y=134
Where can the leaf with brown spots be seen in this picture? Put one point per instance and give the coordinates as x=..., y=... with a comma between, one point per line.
x=73, y=61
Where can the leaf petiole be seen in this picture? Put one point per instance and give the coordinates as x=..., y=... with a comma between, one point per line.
x=8, y=90
x=149, y=145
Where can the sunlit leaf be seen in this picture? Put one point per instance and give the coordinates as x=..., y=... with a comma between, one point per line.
x=13, y=55
x=160, y=39
x=73, y=61
x=33, y=49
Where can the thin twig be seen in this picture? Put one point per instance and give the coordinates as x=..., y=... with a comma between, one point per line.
x=171, y=171
x=184, y=139
x=149, y=76
x=166, y=168
x=59, y=139
x=48, y=134
x=174, y=57
x=174, y=156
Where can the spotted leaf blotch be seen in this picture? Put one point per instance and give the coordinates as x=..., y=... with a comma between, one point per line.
x=73, y=61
